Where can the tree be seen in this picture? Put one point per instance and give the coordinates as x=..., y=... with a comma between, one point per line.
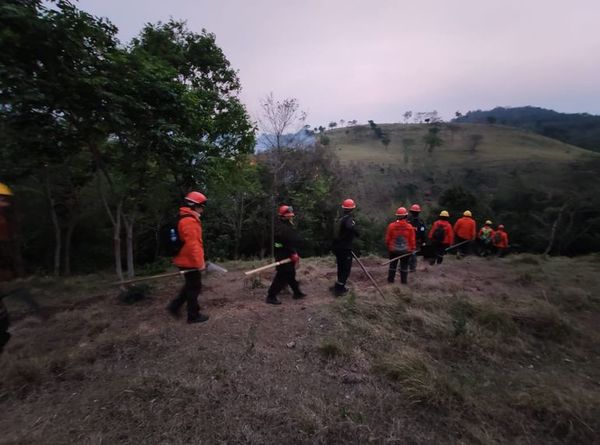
x=474, y=141
x=407, y=115
x=280, y=117
x=332, y=125
x=432, y=139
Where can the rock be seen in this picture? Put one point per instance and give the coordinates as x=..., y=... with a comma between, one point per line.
x=291, y=344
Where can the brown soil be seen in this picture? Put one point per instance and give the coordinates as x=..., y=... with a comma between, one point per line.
x=357, y=369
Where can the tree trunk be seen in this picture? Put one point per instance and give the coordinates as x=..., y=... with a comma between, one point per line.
x=68, y=239
x=129, y=223
x=238, y=230
x=117, y=241
x=56, y=225
x=553, y=231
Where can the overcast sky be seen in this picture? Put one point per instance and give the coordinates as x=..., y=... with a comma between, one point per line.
x=359, y=59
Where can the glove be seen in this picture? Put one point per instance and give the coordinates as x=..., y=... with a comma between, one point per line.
x=295, y=259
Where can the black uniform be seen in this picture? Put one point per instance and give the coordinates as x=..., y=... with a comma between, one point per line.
x=287, y=241
x=4, y=323
x=342, y=248
x=421, y=237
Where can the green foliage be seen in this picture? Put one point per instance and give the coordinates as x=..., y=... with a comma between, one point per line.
x=432, y=139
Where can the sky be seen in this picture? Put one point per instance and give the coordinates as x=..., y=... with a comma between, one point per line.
x=360, y=59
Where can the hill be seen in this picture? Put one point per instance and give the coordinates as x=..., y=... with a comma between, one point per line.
x=478, y=351
x=579, y=129
x=500, y=172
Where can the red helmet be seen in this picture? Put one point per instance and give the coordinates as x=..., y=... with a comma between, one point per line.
x=286, y=211
x=196, y=198
x=415, y=208
x=401, y=211
x=348, y=204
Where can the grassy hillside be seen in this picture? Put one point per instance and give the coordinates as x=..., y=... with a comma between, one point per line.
x=477, y=351
x=384, y=178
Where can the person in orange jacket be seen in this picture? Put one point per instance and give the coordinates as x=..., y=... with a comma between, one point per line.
x=441, y=237
x=500, y=241
x=400, y=238
x=190, y=257
x=464, y=230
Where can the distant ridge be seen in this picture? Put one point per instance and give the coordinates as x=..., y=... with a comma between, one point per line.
x=580, y=129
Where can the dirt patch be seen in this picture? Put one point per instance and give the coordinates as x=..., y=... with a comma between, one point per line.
x=464, y=354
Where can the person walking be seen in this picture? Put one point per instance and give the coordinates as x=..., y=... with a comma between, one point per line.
x=500, y=241
x=190, y=257
x=342, y=246
x=420, y=232
x=286, y=244
x=484, y=239
x=400, y=239
x=465, y=229
x=441, y=236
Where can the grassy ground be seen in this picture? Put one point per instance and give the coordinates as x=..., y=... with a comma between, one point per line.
x=383, y=178
x=474, y=351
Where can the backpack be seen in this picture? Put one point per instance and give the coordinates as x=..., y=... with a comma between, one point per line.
x=497, y=238
x=439, y=234
x=400, y=244
x=169, y=240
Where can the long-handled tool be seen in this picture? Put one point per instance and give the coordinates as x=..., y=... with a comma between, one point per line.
x=398, y=257
x=268, y=266
x=367, y=274
x=210, y=267
x=457, y=244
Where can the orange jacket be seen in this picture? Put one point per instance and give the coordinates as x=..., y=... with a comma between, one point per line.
x=502, y=241
x=191, y=254
x=400, y=236
x=449, y=237
x=465, y=228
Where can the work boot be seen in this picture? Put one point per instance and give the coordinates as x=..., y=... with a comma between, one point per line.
x=340, y=291
x=272, y=300
x=200, y=318
x=298, y=295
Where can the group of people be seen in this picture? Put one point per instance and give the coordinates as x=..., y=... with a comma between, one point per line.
x=404, y=238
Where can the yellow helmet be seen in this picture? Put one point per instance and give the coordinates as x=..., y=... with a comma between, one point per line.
x=467, y=213
x=488, y=223
x=445, y=213
x=4, y=190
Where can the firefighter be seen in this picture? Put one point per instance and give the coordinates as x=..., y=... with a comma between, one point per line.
x=286, y=244
x=500, y=241
x=441, y=236
x=400, y=239
x=484, y=239
x=342, y=246
x=421, y=233
x=6, y=234
x=190, y=257
x=464, y=230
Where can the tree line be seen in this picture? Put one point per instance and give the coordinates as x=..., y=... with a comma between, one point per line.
x=100, y=141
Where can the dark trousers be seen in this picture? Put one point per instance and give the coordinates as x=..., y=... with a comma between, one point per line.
x=440, y=251
x=286, y=275
x=463, y=249
x=4, y=323
x=412, y=262
x=344, y=266
x=189, y=293
x=404, y=262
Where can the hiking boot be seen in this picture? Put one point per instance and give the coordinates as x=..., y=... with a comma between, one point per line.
x=338, y=292
x=174, y=310
x=272, y=300
x=298, y=295
x=200, y=318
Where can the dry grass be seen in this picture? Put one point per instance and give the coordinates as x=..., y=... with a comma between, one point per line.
x=440, y=361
